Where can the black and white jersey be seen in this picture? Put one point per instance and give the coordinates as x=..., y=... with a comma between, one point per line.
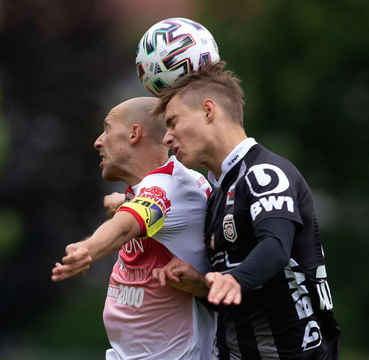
x=289, y=316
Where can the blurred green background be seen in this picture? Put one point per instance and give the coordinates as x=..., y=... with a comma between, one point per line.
x=304, y=67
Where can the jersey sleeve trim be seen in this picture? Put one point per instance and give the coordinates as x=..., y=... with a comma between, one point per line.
x=138, y=218
x=147, y=212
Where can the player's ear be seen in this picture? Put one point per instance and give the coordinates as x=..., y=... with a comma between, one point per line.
x=135, y=134
x=209, y=109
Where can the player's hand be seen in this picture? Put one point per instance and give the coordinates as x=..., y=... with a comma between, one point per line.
x=181, y=275
x=223, y=288
x=170, y=272
x=75, y=263
x=112, y=202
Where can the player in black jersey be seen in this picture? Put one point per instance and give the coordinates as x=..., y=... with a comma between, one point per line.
x=269, y=280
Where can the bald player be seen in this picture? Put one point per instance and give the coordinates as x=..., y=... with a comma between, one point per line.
x=162, y=218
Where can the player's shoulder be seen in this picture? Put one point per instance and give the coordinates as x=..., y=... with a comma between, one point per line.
x=178, y=171
x=171, y=167
x=190, y=179
x=269, y=173
x=166, y=169
x=260, y=157
x=174, y=178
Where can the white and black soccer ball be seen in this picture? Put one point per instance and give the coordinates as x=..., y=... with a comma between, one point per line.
x=170, y=50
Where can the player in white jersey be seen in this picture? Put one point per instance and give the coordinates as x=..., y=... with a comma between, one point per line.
x=138, y=302
x=164, y=219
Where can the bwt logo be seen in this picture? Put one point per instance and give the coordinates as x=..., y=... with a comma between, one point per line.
x=158, y=195
x=265, y=179
x=270, y=203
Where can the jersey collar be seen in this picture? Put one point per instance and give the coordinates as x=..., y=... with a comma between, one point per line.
x=231, y=160
x=166, y=168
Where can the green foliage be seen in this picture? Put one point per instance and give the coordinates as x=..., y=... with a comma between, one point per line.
x=297, y=62
x=4, y=140
x=11, y=232
x=78, y=317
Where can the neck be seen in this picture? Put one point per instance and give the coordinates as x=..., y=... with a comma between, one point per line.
x=143, y=165
x=223, y=147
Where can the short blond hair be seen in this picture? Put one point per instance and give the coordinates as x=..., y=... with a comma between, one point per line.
x=210, y=81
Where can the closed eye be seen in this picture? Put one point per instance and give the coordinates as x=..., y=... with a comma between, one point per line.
x=170, y=122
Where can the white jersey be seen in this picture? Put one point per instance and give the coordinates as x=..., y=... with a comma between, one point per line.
x=143, y=320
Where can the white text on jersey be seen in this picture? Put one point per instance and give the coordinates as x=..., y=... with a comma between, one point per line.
x=270, y=203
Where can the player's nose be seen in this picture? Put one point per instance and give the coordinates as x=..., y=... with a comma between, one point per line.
x=168, y=139
x=98, y=142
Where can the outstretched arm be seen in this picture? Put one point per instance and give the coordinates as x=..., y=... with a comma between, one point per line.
x=109, y=237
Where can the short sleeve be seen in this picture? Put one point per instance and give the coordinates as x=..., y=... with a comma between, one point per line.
x=148, y=213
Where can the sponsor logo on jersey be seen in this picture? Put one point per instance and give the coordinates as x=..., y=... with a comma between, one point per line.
x=301, y=297
x=133, y=246
x=233, y=160
x=271, y=203
x=126, y=295
x=158, y=195
x=201, y=181
x=131, y=275
x=312, y=336
x=265, y=179
x=229, y=228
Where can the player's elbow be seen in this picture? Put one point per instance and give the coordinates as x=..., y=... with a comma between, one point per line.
x=282, y=259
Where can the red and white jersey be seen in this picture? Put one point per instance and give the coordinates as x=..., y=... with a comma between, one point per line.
x=144, y=320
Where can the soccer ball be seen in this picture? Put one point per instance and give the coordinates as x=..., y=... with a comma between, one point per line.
x=170, y=50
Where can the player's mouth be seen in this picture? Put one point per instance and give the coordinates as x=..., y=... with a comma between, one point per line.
x=102, y=160
x=175, y=150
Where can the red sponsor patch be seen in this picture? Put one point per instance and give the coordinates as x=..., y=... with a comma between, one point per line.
x=158, y=195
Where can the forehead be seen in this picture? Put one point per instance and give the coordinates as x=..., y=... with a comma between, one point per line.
x=113, y=116
x=175, y=106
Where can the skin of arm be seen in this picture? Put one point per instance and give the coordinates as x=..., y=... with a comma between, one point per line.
x=109, y=237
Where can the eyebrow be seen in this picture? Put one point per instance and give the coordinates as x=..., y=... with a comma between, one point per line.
x=105, y=122
x=169, y=121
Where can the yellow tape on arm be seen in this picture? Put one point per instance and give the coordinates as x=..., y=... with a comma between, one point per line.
x=150, y=212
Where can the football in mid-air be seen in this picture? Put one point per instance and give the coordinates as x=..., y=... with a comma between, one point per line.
x=170, y=50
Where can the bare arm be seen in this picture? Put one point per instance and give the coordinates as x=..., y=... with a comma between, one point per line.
x=109, y=237
x=112, y=235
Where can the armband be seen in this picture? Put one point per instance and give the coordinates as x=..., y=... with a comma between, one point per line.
x=147, y=212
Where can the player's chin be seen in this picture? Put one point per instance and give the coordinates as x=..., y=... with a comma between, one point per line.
x=189, y=163
x=110, y=176
x=106, y=175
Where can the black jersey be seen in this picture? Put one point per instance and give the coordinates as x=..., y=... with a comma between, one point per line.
x=289, y=316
